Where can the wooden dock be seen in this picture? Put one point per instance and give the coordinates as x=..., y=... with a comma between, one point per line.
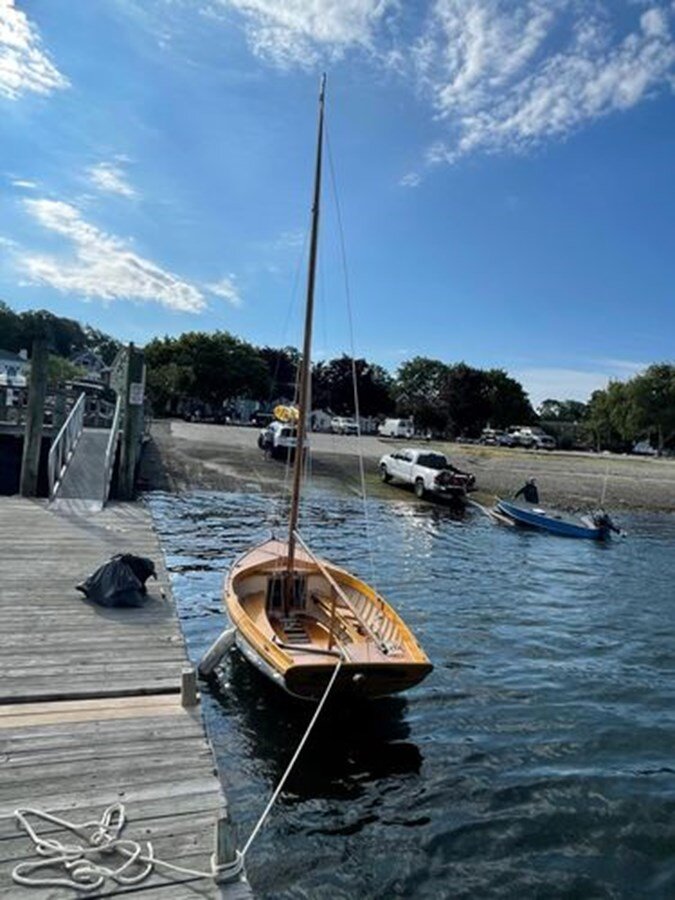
x=90, y=703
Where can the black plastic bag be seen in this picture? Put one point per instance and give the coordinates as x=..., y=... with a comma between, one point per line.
x=120, y=582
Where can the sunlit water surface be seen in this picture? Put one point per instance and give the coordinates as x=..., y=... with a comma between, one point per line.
x=537, y=760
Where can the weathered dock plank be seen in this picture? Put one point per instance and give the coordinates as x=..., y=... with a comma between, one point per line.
x=90, y=706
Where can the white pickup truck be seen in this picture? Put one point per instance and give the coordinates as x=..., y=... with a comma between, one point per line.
x=279, y=439
x=428, y=471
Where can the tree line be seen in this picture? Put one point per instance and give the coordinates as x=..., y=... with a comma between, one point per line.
x=215, y=368
x=622, y=414
x=64, y=337
x=448, y=399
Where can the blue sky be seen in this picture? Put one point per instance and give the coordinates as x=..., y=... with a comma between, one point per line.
x=504, y=175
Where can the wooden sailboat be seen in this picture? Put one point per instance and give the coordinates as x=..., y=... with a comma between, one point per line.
x=297, y=617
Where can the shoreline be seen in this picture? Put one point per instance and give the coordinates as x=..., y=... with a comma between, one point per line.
x=182, y=456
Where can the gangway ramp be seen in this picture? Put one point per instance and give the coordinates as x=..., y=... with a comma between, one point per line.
x=84, y=477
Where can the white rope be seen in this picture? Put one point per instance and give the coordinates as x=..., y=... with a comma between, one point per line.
x=83, y=870
x=289, y=768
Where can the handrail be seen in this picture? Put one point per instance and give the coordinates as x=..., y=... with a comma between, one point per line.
x=111, y=449
x=64, y=444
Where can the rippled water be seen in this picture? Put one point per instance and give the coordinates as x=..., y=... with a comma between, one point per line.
x=538, y=759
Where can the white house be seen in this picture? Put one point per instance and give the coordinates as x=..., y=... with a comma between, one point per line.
x=14, y=368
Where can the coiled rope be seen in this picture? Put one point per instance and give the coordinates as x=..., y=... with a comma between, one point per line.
x=83, y=869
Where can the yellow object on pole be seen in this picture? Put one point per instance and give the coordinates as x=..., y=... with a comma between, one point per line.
x=285, y=413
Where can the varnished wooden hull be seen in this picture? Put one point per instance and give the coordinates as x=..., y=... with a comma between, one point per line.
x=363, y=681
x=370, y=668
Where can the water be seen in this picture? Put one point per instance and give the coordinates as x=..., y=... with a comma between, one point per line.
x=538, y=759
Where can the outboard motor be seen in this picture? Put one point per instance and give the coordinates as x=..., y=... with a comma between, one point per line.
x=603, y=520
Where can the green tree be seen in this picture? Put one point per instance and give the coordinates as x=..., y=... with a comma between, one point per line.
x=64, y=336
x=333, y=387
x=102, y=344
x=563, y=411
x=466, y=396
x=213, y=368
x=167, y=385
x=282, y=367
x=610, y=417
x=418, y=391
x=10, y=329
x=652, y=396
x=509, y=404
x=60, y=370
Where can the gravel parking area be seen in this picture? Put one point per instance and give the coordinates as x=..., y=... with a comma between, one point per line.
x=187, y=456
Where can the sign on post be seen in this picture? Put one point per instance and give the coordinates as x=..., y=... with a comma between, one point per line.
x=136, y=393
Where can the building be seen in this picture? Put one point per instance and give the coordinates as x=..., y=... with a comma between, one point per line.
x=14, y=368
x=92, y=364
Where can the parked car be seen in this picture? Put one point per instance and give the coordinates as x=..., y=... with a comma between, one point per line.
x=496, y=437
x=533, y=437
x=427, y=471
x=279, y=439
x=397, y=428
x=644, y=448
x=342, y=425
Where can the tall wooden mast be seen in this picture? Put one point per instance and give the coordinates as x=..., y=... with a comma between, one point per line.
x=305, y=365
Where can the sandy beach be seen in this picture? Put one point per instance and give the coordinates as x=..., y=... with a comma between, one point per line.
x=182, y=456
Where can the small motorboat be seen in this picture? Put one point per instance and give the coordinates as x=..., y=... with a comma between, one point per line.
x=594, y=527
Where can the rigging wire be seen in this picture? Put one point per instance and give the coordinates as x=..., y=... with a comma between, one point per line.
x=357, y=409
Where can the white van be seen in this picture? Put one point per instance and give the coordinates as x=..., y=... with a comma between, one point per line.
x=397, y=428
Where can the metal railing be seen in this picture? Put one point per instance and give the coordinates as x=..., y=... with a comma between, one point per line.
x=64, y=444
x=111, y=449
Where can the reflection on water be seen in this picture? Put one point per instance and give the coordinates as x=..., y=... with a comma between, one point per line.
x=536, y=760
x=348, y=746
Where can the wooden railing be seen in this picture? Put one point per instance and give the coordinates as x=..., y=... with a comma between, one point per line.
x=62, y=448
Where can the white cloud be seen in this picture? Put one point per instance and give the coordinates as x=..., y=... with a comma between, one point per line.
x=24, y=184
x=110, y=178
x=24, y=66
x=227, y=289
x=505, y=78
x=298, y=32
x=411, y=180
x=102, y=265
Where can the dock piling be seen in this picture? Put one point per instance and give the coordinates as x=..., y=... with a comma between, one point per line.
x=225, y=851
x=188, y=688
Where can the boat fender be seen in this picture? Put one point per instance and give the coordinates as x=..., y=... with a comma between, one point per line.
x=215, y=653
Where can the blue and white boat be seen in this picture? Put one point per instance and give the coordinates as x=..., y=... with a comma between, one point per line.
x=592, y=527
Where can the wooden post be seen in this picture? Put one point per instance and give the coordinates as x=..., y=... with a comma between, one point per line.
x=32, y=441
x=225, y=851
x=132, y=431
x=188, y=688
x=59, y=410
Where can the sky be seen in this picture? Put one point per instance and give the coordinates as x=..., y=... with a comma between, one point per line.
x=499, y=185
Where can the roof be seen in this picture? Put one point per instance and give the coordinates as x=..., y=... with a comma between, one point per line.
x=11, y=355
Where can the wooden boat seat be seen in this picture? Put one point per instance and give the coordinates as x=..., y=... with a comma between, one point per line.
x=384, y=629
